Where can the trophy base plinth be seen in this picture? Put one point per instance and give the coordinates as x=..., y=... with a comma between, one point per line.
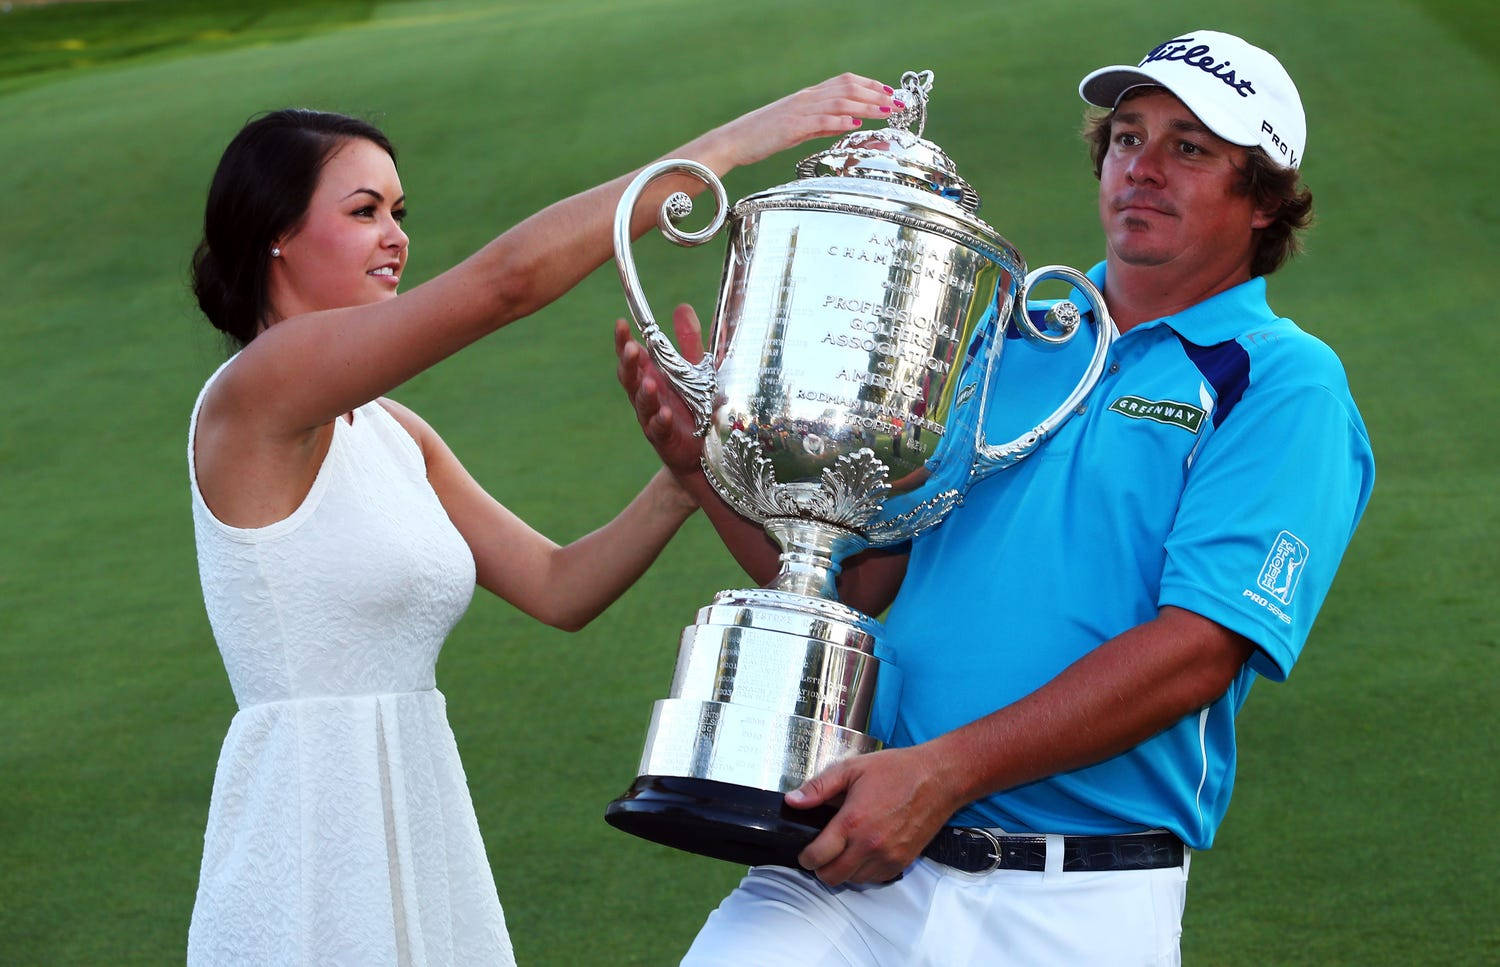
x=740, y=824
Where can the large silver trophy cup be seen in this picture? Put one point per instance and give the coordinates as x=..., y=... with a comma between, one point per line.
x=861, y=314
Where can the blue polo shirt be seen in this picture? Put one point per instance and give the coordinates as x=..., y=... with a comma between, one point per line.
x=1219, y=466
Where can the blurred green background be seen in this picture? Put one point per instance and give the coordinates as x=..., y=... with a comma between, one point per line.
x=1363, y=825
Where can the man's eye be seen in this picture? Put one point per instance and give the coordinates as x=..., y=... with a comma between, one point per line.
x=1127, y=139
x=1189, y=148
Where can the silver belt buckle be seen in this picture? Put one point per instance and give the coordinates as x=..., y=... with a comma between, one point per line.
x=979, y=832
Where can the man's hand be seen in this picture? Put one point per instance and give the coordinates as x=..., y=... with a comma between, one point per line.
x=894, y=802
x=664, y=418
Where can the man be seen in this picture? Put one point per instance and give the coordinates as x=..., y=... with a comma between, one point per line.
x=1078, y=636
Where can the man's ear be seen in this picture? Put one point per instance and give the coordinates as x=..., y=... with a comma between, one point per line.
x=1263, y=217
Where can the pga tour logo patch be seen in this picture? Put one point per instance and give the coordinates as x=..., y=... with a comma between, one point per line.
x=1283, y=567
x=1170, y=412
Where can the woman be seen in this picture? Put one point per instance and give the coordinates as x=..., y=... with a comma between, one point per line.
x=339, y=539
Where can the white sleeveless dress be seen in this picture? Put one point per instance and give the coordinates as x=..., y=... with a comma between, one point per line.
x=341, y=831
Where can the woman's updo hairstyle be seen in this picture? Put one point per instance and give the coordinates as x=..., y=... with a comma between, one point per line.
x=261, y=191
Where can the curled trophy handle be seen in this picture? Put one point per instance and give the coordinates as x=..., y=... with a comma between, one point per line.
x=990, y=458
x=697, y=383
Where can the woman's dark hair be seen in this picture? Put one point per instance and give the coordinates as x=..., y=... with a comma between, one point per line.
x=1274, y=188
x=261, y=191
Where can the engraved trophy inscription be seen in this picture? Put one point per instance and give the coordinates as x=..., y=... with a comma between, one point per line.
x=860, y=317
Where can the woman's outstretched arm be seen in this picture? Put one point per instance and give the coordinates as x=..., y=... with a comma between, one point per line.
x=564, y=586
x=304, y=371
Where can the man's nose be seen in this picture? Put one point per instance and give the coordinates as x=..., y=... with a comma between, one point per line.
x=1145, y=166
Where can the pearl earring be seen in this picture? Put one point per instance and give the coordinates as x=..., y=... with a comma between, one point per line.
x=275, y=252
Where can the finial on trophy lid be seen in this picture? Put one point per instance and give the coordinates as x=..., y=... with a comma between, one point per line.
x=915, y=86
x=897, y=153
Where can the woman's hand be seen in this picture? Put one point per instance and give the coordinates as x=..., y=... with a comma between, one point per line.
x=831, y=108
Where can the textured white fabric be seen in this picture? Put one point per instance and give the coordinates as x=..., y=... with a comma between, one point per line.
x=341, y=831
x=936, y=916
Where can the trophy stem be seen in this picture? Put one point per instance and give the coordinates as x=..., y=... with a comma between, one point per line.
x=811, y=555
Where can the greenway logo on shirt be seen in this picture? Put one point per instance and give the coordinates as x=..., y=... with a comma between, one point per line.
x=1283, y=567
x=1185, y=415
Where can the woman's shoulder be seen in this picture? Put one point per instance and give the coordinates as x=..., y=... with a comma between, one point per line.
x=194, y=419
x=247, y=477
x=210, y=382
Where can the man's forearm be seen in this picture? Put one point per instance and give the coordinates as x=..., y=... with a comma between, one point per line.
x=746, y=540
x=1120, y=694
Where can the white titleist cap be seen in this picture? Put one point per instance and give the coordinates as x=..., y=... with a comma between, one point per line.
x=1239, y=91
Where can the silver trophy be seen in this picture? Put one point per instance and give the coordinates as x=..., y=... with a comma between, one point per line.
x=861, y=314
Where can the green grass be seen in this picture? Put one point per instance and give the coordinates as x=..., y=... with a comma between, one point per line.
x=1362, y=826
x=40, y=42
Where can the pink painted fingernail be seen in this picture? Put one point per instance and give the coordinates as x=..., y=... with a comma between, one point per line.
x=889, y=90
x=858, y=122
x=885, y=110
x=899, y=103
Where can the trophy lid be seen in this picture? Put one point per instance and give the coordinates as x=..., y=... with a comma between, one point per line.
x=897, y=153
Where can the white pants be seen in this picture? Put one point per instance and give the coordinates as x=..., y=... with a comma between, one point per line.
x=936, y=916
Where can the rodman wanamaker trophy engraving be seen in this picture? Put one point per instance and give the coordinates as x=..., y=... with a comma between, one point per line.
x=860, y=317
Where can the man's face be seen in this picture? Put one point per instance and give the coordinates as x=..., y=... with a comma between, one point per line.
x=1167, y=191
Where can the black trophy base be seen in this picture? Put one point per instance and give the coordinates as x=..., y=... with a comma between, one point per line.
x=741, y=824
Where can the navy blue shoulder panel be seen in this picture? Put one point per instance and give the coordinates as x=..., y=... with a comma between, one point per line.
x=1038, y=319
x=1226, y=366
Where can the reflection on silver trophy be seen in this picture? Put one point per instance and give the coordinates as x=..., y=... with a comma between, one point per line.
x=861, y=313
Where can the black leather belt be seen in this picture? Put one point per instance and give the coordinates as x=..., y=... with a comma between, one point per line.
x=976, y=850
